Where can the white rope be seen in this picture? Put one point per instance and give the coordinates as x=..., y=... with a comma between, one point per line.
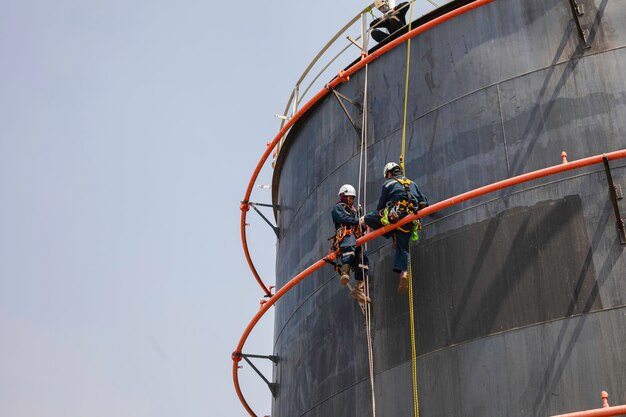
x=363, y=183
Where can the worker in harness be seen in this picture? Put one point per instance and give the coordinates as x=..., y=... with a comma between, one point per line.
x=399, y=198
x=392, y=20
x=348, y=228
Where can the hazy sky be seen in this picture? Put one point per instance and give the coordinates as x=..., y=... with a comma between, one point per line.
x=128, y=132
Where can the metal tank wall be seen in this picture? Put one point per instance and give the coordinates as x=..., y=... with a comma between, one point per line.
x=519, y=296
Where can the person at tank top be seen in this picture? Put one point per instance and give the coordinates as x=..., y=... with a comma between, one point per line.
x=392, y=20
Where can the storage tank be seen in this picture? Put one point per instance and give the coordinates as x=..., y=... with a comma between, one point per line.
x=519, y=295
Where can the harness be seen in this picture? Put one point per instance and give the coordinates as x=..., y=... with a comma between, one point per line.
x=401, y=208
x=341, y=233
x=344, y=231
x=394, y=211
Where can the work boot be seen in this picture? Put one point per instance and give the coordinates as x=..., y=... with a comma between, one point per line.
x=358, y=293
x=345, y=274
x=403, y=285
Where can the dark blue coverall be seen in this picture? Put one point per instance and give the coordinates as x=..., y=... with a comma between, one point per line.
x=392, y=192
x=351, y=254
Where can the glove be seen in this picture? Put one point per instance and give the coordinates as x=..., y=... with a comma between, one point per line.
x=421, y=205
x=361, y=221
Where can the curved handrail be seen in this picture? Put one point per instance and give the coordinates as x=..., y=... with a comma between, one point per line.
x=605, y=411
x=318, y=56
x=618, y=410
x=236, y=356
x=295, y=93
x=553, y=170
x=342, y=77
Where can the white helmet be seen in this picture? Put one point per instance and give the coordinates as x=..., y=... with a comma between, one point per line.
x=390, y=167
x=347, y=190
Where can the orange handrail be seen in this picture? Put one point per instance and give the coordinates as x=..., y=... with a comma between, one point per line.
x=556, y=169
x=605, y=411
x=341, y=78
x=618, y=410
x=236, y=356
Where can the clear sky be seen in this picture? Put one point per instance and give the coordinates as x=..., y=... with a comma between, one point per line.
x=128, y=132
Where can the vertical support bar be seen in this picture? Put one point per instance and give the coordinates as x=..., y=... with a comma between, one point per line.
x=619, y=222
x=364, y=37
x=296, y=98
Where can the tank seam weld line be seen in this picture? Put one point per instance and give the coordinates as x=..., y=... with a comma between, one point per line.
x=304, y=301
x=404, y=363
x=434, y=109
x=334, y=395
x=506, y=148
x=299, y=307
x=354, y=155
x=521, y=191
x=503, y=332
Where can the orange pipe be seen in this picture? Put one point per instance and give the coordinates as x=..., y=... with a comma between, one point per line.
x=236, y=354
x=244, y=241
x=343, y=77
x=556, y=169
x=598, y=412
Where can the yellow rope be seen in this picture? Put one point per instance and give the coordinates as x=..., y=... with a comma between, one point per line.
x=416, y=412
x=416, y=408
x=406, y=86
